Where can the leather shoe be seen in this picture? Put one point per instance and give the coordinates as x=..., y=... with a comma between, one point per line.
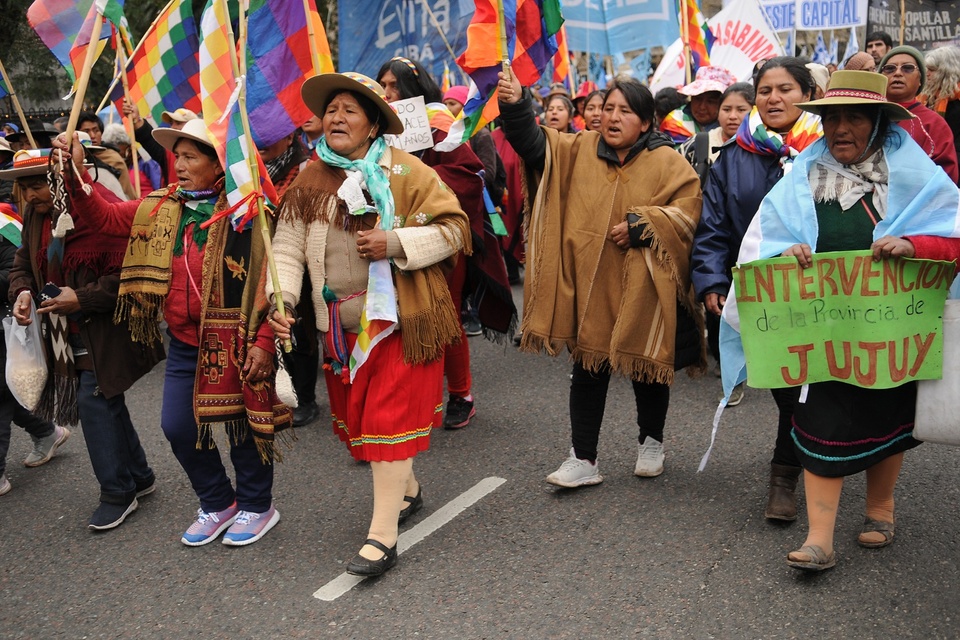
x=414, y=504
x=360, y=566
x=305, y=414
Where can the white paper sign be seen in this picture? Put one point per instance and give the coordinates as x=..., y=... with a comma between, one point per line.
x=416, y=125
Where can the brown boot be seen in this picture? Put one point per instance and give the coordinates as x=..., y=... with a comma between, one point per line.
x=782, y=498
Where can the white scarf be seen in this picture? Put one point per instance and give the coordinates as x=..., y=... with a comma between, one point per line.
x=847, y=184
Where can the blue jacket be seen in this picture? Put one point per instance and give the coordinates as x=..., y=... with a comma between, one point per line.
x=736, y=184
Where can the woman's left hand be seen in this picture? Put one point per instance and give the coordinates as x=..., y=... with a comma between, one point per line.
x=620, y=234
x=372, y=244
x=258, y=366
x=63, y=305
x=892, y=247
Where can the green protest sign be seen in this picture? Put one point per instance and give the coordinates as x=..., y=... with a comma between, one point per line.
x=846, y=317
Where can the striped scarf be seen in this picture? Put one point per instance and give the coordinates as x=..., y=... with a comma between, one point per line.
x=680, y=125
x=379, y=317
x=754, y=136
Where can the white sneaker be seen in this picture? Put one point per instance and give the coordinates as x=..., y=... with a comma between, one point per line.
x=649, y=459
x=4, y=485
x=575, y=472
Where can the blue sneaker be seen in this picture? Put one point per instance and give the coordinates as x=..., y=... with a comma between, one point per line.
x=209, y=526
x=250, y=527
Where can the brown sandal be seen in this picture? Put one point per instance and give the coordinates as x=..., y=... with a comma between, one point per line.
x=819, y=559
x=875, y=526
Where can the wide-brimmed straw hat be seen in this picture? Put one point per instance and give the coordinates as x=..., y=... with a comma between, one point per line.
x=857, y=88
x=29, y=162
x=194, y=130
x=316, y=90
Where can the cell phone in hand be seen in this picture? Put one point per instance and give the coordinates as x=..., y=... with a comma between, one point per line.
x=49, y=292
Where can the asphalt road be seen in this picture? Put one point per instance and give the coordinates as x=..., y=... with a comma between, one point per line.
x=685, y=555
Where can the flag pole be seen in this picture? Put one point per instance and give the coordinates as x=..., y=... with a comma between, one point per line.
x=16, y=105
x=436, y=24
x=685, y=37
x=311, y=35
x=127, y=121
x=240, y=69
x=504, y=52
x=84, y=76
x=903, y=19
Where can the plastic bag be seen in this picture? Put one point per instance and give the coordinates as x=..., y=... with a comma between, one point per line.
x=26, y=370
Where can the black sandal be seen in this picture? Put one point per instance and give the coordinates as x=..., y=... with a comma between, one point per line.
x=361, y=566
x=414, y=504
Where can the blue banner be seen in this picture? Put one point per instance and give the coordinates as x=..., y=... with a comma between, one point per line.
x=373, y=31
x=813, y=15
x=782, y=14
x=616, y=26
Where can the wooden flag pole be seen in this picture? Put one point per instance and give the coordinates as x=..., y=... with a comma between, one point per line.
x=504, y=51
x=127, y=121
x=16, y=105
x=436, y=24
x=903, y=19
x=311, y=37
x=84, y=77
x=240, y=69
x=685, y=36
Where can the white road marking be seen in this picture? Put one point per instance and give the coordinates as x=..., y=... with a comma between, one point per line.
x=344, y=582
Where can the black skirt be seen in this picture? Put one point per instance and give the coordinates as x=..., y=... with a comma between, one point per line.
x=843, y=429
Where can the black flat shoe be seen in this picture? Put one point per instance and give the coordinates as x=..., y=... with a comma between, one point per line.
x=360, y=566
x=414, y=504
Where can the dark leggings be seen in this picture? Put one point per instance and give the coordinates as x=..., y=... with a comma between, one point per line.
x=588, y=398
x=784, y=452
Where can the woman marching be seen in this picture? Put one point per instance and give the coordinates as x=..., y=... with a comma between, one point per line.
x=768, y=140
x=865, y=185
x=609, y=284
x=187, y=264
x=375, y=229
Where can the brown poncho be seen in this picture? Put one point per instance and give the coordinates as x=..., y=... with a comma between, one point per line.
x=583, y=292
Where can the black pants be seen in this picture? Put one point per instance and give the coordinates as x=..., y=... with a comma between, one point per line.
x=588, y=398
x=785, y=452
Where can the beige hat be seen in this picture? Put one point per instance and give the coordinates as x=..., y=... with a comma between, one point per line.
x=857, y=88
x=180, y=115
x=821, y=75
x=195, y=130
x=316, y=89
x=5, y=146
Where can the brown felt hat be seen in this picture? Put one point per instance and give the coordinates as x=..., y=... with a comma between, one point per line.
x=316, y=89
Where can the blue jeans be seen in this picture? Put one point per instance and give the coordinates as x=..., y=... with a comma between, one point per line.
x=202, y=463
x=112, y=442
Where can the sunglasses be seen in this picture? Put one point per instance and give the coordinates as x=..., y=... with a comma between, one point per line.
x=890, y=69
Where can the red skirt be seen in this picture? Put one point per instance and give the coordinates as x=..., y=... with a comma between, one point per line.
x=388, y=411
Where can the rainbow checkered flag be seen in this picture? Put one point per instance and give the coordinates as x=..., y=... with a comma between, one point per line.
x=59, y=24
x=700, y=36
x=530, y=27
x=278, y=62
x=219, y=93
x=164, y=70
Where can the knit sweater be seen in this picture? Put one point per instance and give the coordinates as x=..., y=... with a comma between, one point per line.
x=306, y=239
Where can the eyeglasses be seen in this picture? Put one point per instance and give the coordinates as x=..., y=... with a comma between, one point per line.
x=890, y=69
